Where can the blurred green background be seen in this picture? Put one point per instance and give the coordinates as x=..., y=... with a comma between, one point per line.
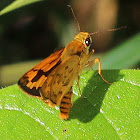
x=31, y=33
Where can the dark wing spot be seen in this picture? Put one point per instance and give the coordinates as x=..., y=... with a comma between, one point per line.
x=41, y=72
x=57, y=74
x=78, y=53
x=70, y=70
x=65, y=83
x=60, y=92
x=66, y=67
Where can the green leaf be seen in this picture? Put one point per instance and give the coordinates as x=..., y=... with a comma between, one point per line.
x=105, y=111
x=123, y=56
x=17, y=4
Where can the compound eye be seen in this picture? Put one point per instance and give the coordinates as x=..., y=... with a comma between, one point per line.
x=88, y=42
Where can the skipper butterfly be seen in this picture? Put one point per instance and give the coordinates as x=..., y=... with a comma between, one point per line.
x=53, y=78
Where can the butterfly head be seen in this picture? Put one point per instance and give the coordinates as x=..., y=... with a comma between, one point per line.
x=85, y=38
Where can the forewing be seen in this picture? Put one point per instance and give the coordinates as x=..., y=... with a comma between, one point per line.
x=33, y=80
x=60, y=81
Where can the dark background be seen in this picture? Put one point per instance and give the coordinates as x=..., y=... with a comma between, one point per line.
x=34, y=31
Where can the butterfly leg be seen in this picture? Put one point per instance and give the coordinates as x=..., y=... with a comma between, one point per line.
x=93, y=62
x=90, y=54
x=78, y=84
x=78, y=79
x=66, y=105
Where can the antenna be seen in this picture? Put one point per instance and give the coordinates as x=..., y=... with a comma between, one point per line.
x=109, y=30
x=75, y=17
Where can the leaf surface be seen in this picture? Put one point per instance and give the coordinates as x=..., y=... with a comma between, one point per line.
x=104, y=111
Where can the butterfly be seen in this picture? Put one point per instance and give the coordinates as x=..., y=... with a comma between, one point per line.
x=53, y=78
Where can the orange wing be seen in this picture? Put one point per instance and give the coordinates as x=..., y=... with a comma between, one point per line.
x=59, y=81
x=33, y=80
